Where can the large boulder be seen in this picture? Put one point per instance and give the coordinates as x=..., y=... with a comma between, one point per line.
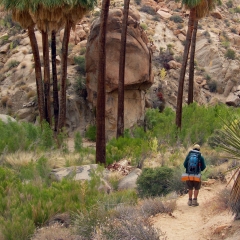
x=130, y=181
x=138, y=74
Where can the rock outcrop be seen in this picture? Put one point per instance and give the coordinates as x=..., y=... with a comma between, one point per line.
x=138, y=74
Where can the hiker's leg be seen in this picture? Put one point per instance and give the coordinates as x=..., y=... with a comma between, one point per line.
x=195, y=194
x=190, y=193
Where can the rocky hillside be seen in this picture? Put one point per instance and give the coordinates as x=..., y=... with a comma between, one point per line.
x=217, y=70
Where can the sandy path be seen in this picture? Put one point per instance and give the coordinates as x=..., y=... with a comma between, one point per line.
x=198, y=223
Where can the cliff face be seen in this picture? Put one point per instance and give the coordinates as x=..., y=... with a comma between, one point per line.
x=154, y=27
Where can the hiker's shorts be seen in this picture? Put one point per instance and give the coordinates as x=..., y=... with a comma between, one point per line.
x=193, y=185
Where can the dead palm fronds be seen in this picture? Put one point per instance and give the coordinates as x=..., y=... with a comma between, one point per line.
x=228, y=139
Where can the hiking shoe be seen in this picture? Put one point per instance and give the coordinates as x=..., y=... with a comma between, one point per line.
x=189, y=202
x=194, y=202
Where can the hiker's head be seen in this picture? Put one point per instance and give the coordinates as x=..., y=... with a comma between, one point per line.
x=196, y=147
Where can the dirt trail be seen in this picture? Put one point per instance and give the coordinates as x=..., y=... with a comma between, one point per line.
x=198, y=223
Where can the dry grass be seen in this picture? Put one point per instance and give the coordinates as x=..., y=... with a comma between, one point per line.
x=31, y=93
x=4, y=100
x=20, y=158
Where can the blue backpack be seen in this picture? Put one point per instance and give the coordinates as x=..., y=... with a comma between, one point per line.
x=193, y=163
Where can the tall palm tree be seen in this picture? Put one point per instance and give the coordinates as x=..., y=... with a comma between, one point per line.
x=100, y=118
x=54, y=80
x=20, y=14
x=120, y=114
x=198, y=9
x=191, y=64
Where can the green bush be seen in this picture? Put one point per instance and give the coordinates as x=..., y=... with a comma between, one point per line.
x=230, y=53
x=78, y=142
x=176, y=19
x=80, y=62
x=237, y=10
x=91, y=133
x=229, y=4
x=138, y=2
x=130, y=146
x=25, y=136
x=13, y=63
x=154, y=181
x=147, y=9
x=212, y=86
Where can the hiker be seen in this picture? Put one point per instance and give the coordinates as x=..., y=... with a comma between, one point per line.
x=194, y=164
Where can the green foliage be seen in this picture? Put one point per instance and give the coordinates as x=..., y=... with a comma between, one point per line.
x=230, y=53
x=138, y=2
x=132, y=145
x=212, y=86
x=229, y=4
x=80, y=85
x=147, y=9
x=198, y=123
x=176, y=19
x=13, y=63
x=80, y=62
x=154, y=181
x=143, y=26
x=91, y=133
x=77, y=142
x=237, y=10
x=83, y=51
x=25, y=136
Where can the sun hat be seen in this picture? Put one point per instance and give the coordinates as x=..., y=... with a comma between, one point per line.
x=196, y=146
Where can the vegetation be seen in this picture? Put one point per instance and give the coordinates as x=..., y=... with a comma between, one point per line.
x=176, y=19
x=80, y=61
x=147, y=9
x=230, y=53
x=29, y=197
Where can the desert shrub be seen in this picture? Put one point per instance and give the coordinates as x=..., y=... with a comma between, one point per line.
x=144, y=26
x=147, y=9
x=30, y=94
x=80, y=86
x=233, y=30
x=175, y=184
x=156, y=18
x=35, y=202
x=212, y=86
x=153, y=206
x=230, y=53
x=14, y=43
x=176, y=19
x=4, y=100
x=229, y=4
x=206, y=34
x=80, y=62
x=83, y=50
x=180, y=26
x=25, y=136
x=138, y=2
x=78, y=142
x=133, y=147
x=13, y=63
x=91, y=133
x=154, y=181
x=237, y=10
x=225, y=44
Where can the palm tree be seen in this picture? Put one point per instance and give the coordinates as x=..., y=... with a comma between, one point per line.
x=55, y=81
x=20, y=14
x=228, y=139
x=100, y=118
x=120, y=116
x=198, y=9
x=191, y=65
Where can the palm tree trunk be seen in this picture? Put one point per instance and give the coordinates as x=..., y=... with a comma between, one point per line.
x=63, y=86
x=101, y=139
x=191, y=65
x=191, y=20
x=55, y=81
x=38, y=72
x=46, y=76
x=120, y=116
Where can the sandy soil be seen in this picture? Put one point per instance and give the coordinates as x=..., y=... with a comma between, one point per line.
x=208, y=221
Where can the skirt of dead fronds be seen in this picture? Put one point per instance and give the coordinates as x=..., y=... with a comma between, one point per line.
x=235, y=196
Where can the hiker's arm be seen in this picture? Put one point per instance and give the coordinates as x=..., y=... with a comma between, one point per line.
x=203, y=165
